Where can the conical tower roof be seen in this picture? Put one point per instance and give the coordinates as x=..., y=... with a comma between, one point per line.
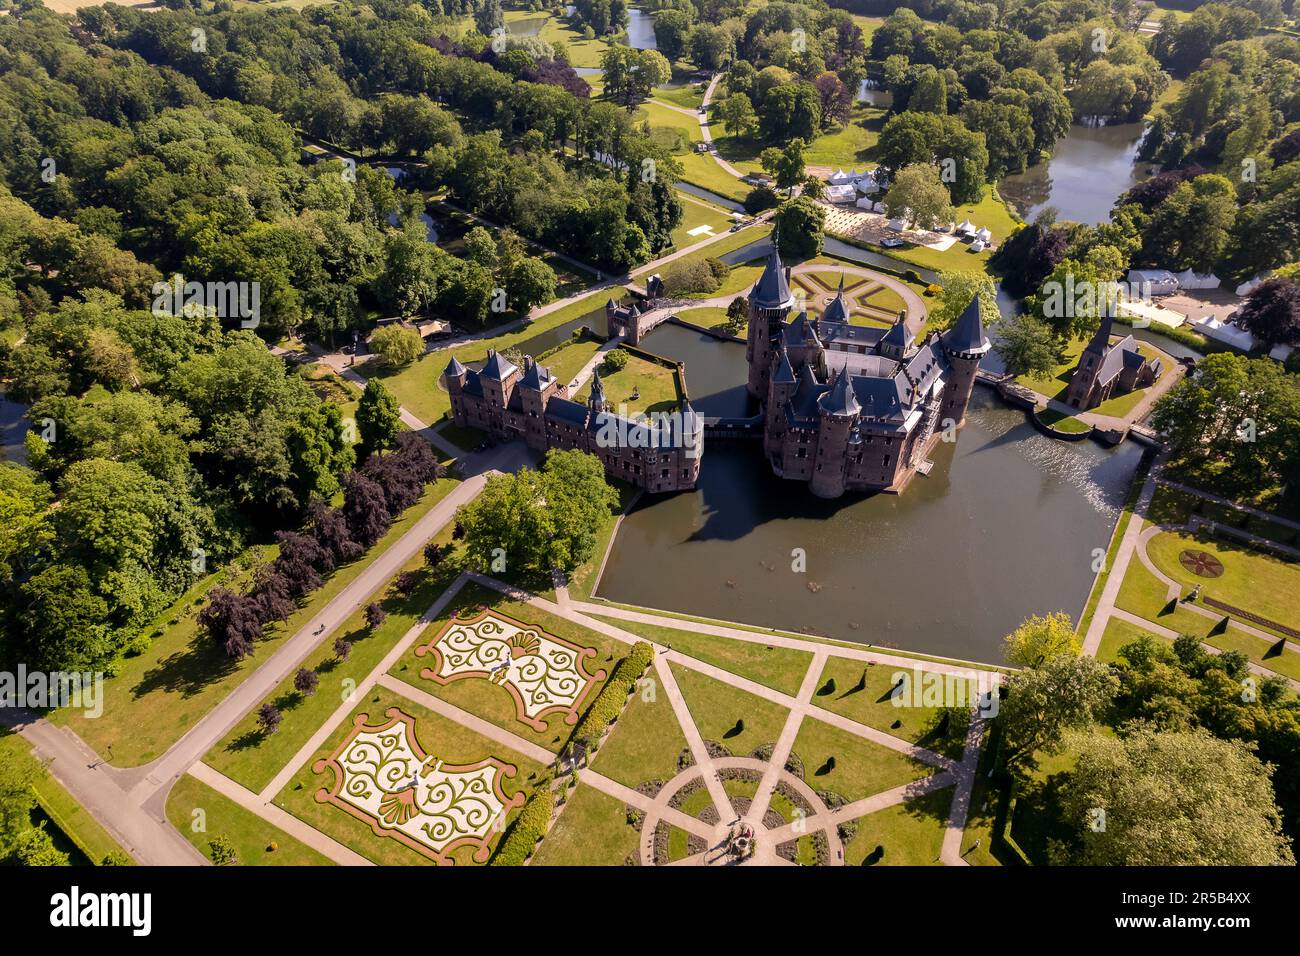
x=967, y=334
x=840, y=399
x=772, y=291
x=838, y=309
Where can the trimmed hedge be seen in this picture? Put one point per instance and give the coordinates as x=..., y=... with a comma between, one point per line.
x=613, y=696
x=529, y=827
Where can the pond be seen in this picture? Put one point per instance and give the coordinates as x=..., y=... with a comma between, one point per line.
x=716, y=371
x=640, y=30
x=1091, y=167
x=1004, y=526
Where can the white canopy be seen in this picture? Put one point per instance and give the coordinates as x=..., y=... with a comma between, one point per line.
x=839, y=178
x=897, y=225
x=1222, y=332
x=984, y=235
x=867, y=204
x=966, y=226
x=878, y=207
x=977, y=245
x=1192, y=280
x=1157, y=281
x=840, y=194
x=1250, y=285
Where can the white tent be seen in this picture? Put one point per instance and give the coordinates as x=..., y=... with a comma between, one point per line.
x=1154, y=281
x=878, y=207
x=840, y=178
x=1281, y=352
x=1222, y=332
x=983, y=235
x=897, y=225
x=977, y=245
x=1250, y=285
x=1192, y=280
x=840, y=194
x=867, y=204
x=966, y=227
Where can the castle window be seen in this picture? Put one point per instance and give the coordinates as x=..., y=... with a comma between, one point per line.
x=886, y=461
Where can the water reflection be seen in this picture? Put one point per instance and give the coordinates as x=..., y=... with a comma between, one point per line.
x=1091, y=167
x=1003, y=527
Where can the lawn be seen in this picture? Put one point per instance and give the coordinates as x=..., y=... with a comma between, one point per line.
x=160, y=694
x=251, y=836
x=852, y=766
x=1252, y=580
x=449, y=741
x=706, y=316
x=1062, y=422
x=686, y=95
x=567, y=361
x=1117, y=634
x=644, y=744
x=737, y=719
x=60, y=807
x=641, y=386
x=493, y=702
x=862, y=692
x=908, y=834
x=697, y=213
x=1055, y=383
x=852, y=146
x=780, y=668
x=416, y=387
x=252, y=758
x=592, y=830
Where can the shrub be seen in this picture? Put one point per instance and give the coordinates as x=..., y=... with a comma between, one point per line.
x=528, y=828
x=690, y=278
x=609, y=703
x=397, y=345
x=761, y=199
x=615, y=361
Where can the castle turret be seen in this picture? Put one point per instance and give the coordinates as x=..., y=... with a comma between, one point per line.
x=454, y=377
x=837, y=310
x=838, y=411
x=536, y=386
x=781, y=388
x=769, y=301
x=965, y=344
x=596, y=400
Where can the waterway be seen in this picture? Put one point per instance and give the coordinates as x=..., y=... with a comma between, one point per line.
x=1004, y=526
x=1090, y=168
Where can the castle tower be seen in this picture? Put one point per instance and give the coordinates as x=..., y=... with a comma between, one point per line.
x=837, y=413
x=454, y=376
x=780, y=389
x=769, y=301
x=536, y=386
x=596, y=400
x=965, y=344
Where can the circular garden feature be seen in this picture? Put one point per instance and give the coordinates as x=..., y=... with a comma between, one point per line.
x=1201, y=563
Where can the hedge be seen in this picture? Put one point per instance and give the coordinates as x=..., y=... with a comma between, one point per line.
x=613, y=696
x=528, y=828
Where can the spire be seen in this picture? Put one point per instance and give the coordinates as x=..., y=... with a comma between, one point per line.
x=772, y=291
x=967, y=334
x=841, y=399
x=1101, y=338
x=838, y=309
x=454, y=368
x=784, y=374
x=597, y=398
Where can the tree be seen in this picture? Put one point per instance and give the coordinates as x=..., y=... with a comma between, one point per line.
x=233, y=621
x=1191, y=229
x=799, y=225
x=919, y=198
x=790, y=111
x=342, y=648
x=1272, y=312
x=366, y=508
x=1028, y=346
x=530, y=282
x=1039, y=639
x=959, y=290
x=737, y=316
x=379, y=418
x=1171, y=799
x=375, y=614
x=1042, y=703
x=222, y=851
x=615, y=361
x=672, y=33
x=17, y=800
x=631, y=74
x=488, y=16
x=305, y=681
x=268, y=718
x=738, y=116
x=785, y=164
x=396, y=344
x=36, y=848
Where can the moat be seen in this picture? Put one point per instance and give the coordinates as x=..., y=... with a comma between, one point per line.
x=1003, y=527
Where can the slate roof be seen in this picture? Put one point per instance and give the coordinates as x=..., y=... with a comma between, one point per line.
x=840, y=399
x=454, y=368
x=571, y=413
x=967, y=334
x=498, y=367
x=536, y=377
x=771, y=291
x=837, y=310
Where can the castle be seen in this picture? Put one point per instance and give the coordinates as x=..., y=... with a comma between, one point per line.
x=850, y=407
x=1105, y=369
x=509, y=403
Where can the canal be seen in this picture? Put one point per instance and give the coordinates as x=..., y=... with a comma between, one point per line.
x=1004, y=526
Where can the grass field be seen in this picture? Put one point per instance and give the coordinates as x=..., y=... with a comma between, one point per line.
x=569, y=360
x=416, y=386
x=909, y=834
x=191, y=801
x=643, y=745
x=160, y=694
x=780, y=668
x=697, y=213
x=863, y=693
x=849, y=765
x=592, y=830
x=641, y=386
x=738, y=720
